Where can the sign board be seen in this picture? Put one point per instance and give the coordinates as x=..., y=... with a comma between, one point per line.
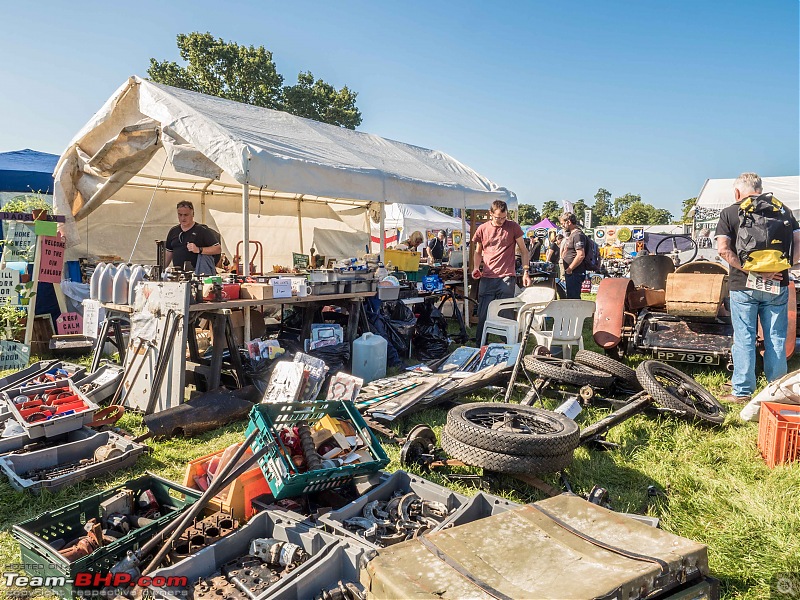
x=599, y=234
x=69, y=323
x=9, y=280
x=51, y=264
x=300, y=261
x=624, y=234
x=589, y=232
x=93, y=315
x=45, y=227
x=20, y=242
x=458, y=238
x=14, y=355
x=587, y=217
x=637, y=234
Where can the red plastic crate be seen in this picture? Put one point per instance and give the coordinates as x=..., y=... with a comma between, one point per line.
x=779, y=433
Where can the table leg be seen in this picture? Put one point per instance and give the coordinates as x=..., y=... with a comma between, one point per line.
x=98, y=347
x=353, y=316
x=194, y=351
x=218, y=327
x=120, y=341
x=236, y=360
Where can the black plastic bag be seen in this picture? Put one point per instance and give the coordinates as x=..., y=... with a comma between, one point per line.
x=259, y=372
x=335, y=356
x=431, y=340
x=380, y=323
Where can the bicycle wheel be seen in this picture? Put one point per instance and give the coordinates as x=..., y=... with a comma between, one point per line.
x=673, y=389
x=607, y=364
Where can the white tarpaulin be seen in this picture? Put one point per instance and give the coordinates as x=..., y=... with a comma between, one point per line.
x=718, y=193
x=150, y=141
x=407, y=218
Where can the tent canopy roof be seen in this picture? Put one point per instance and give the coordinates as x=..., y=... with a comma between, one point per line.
x=153, y=135
x=718, y=193
x=27, y=171
x=544, y=224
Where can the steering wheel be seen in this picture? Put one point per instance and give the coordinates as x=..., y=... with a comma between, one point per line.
x=674, y=252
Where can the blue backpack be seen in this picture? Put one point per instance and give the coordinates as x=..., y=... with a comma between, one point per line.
x=591, y=259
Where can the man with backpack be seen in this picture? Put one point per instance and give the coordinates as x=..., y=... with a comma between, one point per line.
x=759, y=238
x=573, y=255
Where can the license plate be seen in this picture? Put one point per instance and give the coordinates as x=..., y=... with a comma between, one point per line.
x=697, y=358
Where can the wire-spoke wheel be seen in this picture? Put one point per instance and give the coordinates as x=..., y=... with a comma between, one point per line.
x=567, y=371
x=513, y=429
x=503, y=463
x=674, y=389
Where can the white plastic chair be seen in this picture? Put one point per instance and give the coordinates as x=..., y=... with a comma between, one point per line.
x=498, y=325
x=531, y=298
x=568, y=317
x=536, y=298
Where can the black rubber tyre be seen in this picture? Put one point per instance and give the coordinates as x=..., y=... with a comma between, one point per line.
x=567, y=371
x=607, y=364
x=671, y=388
x=503, y=463
x=536, y=432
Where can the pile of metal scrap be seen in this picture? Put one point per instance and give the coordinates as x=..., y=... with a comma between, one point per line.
x=392, y=397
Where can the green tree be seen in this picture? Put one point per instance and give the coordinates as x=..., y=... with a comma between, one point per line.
x=444, y=209
x=639, y=213
x=602, y=205
x=248, y=74
x=529, y=214
x=552, y=210
x=622, y=203
x=686, y=206
x=579, y=208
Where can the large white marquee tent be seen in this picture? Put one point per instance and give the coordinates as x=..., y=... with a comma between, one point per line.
x=718, y=193
x=251, y=172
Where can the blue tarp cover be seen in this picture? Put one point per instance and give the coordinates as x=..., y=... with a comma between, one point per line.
x=27, y=171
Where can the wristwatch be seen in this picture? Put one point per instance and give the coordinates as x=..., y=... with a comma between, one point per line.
x=199, y=249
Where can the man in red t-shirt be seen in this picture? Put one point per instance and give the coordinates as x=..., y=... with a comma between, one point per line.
x=494, y=245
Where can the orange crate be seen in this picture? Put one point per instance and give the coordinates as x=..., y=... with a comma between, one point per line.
x=236, y=498
x=779, y=433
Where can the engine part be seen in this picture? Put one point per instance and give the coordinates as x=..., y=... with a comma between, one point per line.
x=342, y=591
x=313, y=459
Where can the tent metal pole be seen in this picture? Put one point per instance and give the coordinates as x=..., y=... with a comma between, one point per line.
x=300, y=222
x=383, y=230
x=464, y=255
x=246, y=240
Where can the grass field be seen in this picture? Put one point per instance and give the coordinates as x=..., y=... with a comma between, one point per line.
x=714, y=487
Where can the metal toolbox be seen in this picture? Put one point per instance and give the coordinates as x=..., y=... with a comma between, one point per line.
x=56, y=424
x=478, y=507
x=267, y=524
x=559, y=547
x=35, y=535
x=18, y=442
x=18, y=468
x=401, y=482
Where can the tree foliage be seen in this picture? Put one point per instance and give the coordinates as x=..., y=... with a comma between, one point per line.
x=639, y=213
x=686, y=206
x=602, y=205
x=579, y=208
x=552, y=210
x=248, y=74
x=529, y=214
x=444, y=209
x=622, y=203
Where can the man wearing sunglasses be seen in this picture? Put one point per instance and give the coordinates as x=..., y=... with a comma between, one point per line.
x=495, y=242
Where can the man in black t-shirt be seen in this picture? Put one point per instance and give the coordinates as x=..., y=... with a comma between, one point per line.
x=751, y=300
x=436, y=246
x=573, y=255
x=188, y=240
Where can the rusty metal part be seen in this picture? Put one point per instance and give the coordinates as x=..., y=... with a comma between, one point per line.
x=204, y=413
x=313, y=459
x=342, y=591
x=108, y=415
x=203, y=533
x=107, y=452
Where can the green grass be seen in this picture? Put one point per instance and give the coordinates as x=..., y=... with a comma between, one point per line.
x=716, y=488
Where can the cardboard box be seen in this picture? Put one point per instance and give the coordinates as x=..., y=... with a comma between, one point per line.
x=256, y=291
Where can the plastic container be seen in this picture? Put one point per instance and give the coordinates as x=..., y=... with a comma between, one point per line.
x=94, y=282
x=16, y=466
x=405, y=260
x=102, y=384
x=17, y=442
x=26, y=375
x=779, y=433
x=284, y=481
x=479, y=506
x=390, y=292
x=369, y=357
x=40, y=559
x=58, y=424
x=416, y=276
x=119, y=293
x=105, y=284
x=236, y=498
x=268, y=524
x=397, y=481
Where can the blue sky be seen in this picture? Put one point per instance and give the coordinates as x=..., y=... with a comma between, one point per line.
x=550, y=99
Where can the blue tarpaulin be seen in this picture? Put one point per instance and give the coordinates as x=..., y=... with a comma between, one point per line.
x=27, y=171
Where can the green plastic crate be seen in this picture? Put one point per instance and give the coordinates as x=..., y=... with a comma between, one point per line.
x=281, y=475
x=417, y=276
x=42, y=560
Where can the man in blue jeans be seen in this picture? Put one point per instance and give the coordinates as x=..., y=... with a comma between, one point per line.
x=573, y=255
x=748, y=305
